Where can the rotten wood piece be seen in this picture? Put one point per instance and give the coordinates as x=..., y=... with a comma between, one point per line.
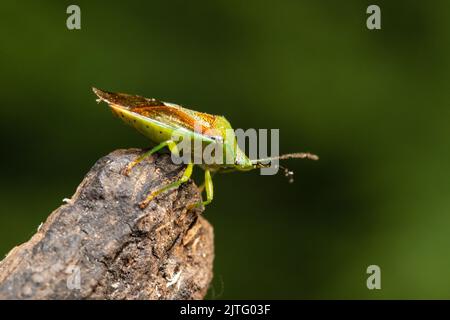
x=101, y=245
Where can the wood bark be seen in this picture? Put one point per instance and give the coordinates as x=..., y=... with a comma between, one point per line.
x=101, y=245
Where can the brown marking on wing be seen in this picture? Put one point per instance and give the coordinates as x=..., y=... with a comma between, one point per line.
x=124, y=100
x=192, y=120
x=208, y=118
x=152, y=108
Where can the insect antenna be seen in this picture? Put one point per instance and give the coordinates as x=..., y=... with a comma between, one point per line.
x=299, y=155
x=261, y=163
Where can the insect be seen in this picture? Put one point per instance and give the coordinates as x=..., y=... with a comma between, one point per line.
x=158, y=120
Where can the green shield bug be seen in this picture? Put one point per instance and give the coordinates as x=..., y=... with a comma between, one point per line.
x=158, y=121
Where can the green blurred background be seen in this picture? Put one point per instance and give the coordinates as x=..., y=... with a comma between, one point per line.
x=373, y=104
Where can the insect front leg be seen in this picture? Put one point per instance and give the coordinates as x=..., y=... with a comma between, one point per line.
x=208, y=185
x=209, y=188
x=186, y=175
x=170, y=144
x=202, y=186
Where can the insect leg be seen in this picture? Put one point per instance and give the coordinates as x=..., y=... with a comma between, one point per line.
x=208, y=185
x=202, y=186
x=145, y=155
x=209, y=188
x=186, y=175
x=173, y=147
